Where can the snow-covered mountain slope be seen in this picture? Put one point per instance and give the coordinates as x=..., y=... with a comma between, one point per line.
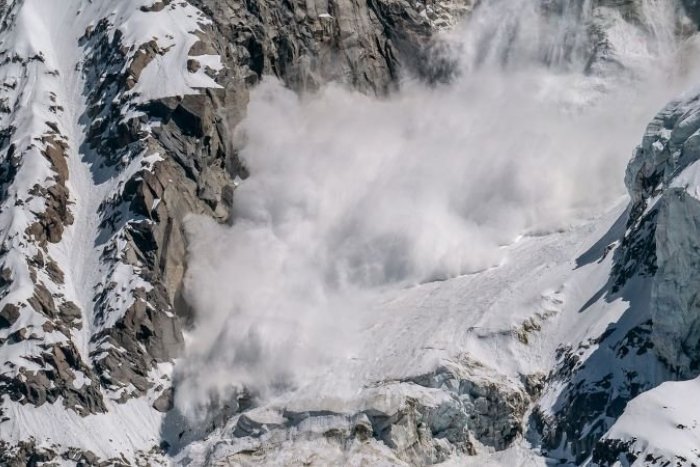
x=442, y=269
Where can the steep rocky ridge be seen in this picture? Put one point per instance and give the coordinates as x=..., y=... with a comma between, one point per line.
x=663, y=182
x=655, y=264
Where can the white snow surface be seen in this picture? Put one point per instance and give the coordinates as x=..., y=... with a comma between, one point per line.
x=662, y=423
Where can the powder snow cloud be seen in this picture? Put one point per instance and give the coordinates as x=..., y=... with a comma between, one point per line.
x=350, y=194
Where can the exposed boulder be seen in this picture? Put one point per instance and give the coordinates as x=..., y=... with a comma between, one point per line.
x=8, y=315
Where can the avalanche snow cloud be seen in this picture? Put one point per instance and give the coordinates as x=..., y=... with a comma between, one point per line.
x=350, y=195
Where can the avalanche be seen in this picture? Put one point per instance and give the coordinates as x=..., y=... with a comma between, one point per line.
x=371, y=269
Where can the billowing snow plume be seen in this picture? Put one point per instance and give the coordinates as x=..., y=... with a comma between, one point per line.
x=348, y=195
